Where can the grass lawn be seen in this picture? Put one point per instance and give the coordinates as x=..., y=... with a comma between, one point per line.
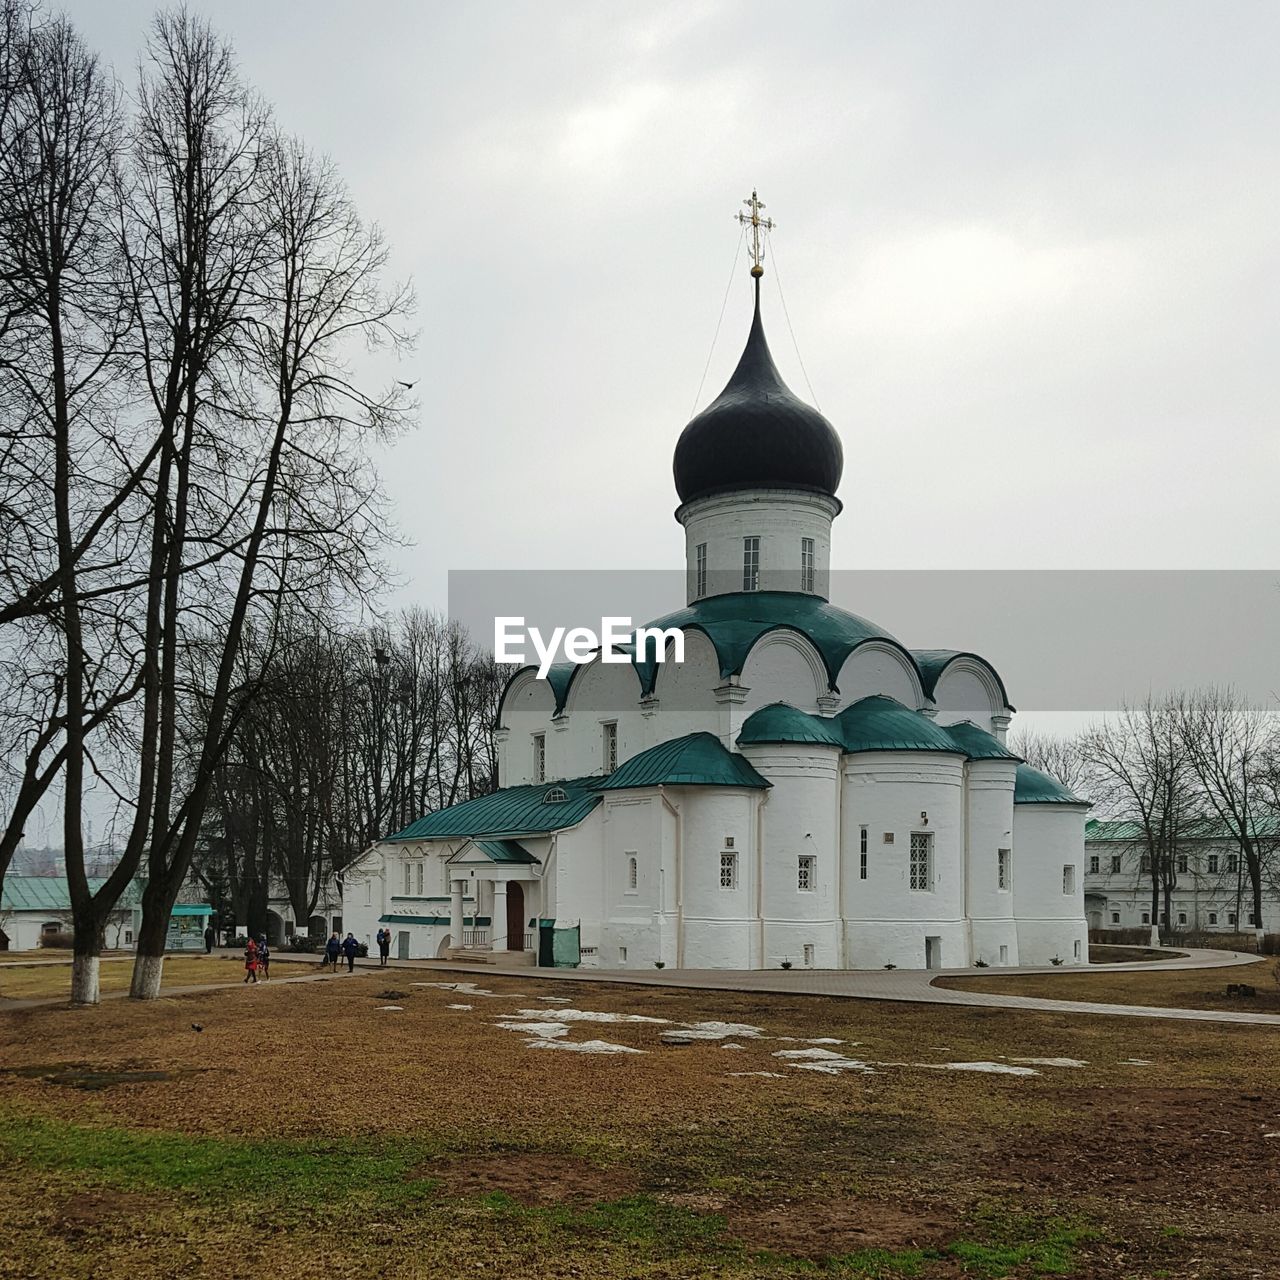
x=1188, y=989
x=37, y=979
x=308, y=1130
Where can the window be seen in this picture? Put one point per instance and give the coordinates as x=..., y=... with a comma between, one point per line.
x=633, y=873
x=806, y=564
x=1115, y=917
x=728, y=870
x=408, y=872
x=862, y=854
x=611, y=746
x=1182, y=917
x=1212, y=863
x=1093, y=864
x=1115, y=864
x=539, y=757
x=128, y=937
x=700, y=571
x=1231, y=918
x=1164, y=919
x=1144, y=864
x=1146, y=917
x=922, y=861
x=808, y=955
x=805, y=873
x=1213, y=917
x=1233, y=862
x=751, y=564
x=622, y=955
x=1253, y=920
x=420, y=877
x=368, y=893
x=1003, y=857
x=1068, y=879
x=1183, y=864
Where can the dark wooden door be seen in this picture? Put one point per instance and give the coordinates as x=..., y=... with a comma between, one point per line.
x=515, y=916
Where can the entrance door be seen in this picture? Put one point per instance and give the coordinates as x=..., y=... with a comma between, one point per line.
x=933, y=953
x=515, y=916
x=402, y=945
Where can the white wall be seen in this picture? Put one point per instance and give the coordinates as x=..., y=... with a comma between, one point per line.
x=780, y=518
x=989, y=828
x=1046, y=838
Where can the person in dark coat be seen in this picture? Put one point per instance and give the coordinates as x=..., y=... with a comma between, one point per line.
x=349, y=949
x=264, y=956
x=384, y=946
x=332, y=949
x=209, y=937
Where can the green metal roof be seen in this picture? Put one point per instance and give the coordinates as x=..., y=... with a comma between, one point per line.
x=191, y=909
x=733, y=623
x=781, y=722
x=883, y=724
x=513, y=811
x=504, y=851
x=696, y=761
x=1033, y=787
x=977, y=743
x=933, y=662
x=469, y=922
x=1204, y=827
x=50, y=893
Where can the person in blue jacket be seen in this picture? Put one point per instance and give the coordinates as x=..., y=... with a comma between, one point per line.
x=332, y=949
x=349, y=949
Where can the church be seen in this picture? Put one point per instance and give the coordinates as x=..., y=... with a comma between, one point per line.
x=801, y=790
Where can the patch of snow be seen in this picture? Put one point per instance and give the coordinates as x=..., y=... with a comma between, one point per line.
x=731, y=1045
x=810, y=1039
x=764, y=1075
x=391, y=1008
x=823, y=1060
x=1271, y=1135
x=459, y=1006
x=543, y=1030
x=1137, y=1062
x=993, y=1068
x=722, y=1030
x=589, y=1015
x=583, y=1046
x=556, y=999
x=1052, y=1062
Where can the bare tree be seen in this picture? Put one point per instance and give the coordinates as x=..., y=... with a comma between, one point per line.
x=1060, y=757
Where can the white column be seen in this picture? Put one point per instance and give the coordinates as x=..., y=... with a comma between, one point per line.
x=498, y=917
x=455, y=912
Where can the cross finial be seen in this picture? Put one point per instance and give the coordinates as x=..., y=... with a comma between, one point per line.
x=757, y=224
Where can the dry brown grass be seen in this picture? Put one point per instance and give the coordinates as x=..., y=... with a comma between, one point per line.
x=656, y=1164
x=39, y=979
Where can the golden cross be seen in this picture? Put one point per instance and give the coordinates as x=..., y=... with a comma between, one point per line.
x=756, y=223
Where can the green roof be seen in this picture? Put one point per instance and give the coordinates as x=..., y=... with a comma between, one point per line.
x=192, y=909
x=933, y=662
x=698, y=760
x=733, y=623
x=780, y=722
x=504, y=851
x=50, y=893
x=1204, y=827
x=977, y=743
x=513, y=811
x=468, y=921
x=1033, y=787
x=883, y=724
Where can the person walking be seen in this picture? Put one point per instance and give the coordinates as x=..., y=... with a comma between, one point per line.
x=251, y=961
x=209, y=937
x=332, y=949
x=264, y=956
x=384, y=946
x=349, y=948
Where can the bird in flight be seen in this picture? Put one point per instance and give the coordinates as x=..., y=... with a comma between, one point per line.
x=409, y=386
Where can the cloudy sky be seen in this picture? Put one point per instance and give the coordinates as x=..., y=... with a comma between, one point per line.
x=1030, y=253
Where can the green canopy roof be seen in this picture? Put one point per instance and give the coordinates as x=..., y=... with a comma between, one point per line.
x=504, y=851
x=733, y=623
x=977, y=743
x=883, y=724
x=515, y=811
x=698, y=760
x=1204, y=827
x=50, y=893
x=1033, y=787
x=780, y=722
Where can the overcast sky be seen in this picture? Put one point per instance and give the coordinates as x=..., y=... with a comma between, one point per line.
x=1030, y=253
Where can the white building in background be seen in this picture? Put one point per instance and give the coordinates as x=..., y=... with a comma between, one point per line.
x=801, y=789
x=1212, y=894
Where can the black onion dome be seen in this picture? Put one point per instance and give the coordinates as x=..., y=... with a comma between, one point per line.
x=757, y=434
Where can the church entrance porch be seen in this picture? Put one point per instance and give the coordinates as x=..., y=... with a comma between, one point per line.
x=501, y=931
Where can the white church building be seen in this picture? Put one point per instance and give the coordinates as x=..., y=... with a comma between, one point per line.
x=802, y=789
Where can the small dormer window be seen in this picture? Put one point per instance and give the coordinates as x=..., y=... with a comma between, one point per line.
x=557, y=795
x=751, y=564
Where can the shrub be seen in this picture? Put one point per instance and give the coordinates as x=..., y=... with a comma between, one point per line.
x=62, y=941
x=979, y=963
x=786, y=964
x=659, y=964
x=301, y=942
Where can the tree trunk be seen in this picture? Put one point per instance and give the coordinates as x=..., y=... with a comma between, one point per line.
x=148, y=964
x=84, y=967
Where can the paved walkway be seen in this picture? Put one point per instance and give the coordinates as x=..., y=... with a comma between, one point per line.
x=910, y=986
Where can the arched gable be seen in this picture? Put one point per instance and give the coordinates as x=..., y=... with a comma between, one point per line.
x=969, y=689
x=878, y=667
x=784, y=666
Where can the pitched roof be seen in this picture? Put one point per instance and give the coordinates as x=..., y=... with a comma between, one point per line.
x=1204, y=827
x=50, y=893
x=698, y=760
x=513, y=811
x=504, y=851
x=1031, y=786
x=883, y=724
